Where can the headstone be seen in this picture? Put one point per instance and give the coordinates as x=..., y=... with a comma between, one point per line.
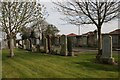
x=23, y=44
x=16, y=45
x=34, y=48
x=20, y=42
x=70, y=46
x=63, y=51
x=56, y=41
x=106, y=56
x=37, y=41
x=49, y=43
x=45, y=45
x=27, y=44
x=38, y=48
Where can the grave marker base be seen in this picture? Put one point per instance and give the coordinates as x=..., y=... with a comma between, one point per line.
x=70, y=53
x=107, y=60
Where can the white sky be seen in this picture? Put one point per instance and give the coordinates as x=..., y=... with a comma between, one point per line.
x=54, y=18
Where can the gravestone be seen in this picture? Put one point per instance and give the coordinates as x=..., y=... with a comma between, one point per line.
x=27, y=44
x=49, y=43
x=70, y=46
x=34, y=48
x=20, y=42
x=57, y=41
x=16, y=45
x=63, y=51
x=24, y=46
x=20, y=45
x=38, y=42
x=45, y=45
x=106, y=56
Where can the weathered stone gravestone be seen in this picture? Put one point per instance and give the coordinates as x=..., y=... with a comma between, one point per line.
x=45, y=45
x=34, y=48
x=56, y=41
x=106, y=56
x=49, y=43
x=27, y=44
x=20, y=44
x=63, y=51
x=70, y=46
x=24, y=46
x=37, y=42
x=16, y=45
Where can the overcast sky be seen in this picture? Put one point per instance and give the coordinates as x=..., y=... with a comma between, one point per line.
x=65, y=28
x=54, y=18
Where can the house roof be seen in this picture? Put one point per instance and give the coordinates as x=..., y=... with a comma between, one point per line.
x=117, y=31
x=72, y=34
x=89, y=33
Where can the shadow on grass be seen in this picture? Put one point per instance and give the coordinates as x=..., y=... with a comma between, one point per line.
x=97, y=66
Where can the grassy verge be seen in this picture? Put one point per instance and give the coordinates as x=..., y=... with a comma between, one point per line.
x=38, y=65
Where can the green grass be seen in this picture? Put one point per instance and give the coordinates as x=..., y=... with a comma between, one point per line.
x=38, y=65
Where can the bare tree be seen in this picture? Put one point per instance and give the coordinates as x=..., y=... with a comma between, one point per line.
x=90, y=12
x=40, y=25
x=15, y=15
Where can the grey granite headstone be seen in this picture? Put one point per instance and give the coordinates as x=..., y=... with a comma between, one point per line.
x=63, y=45
x=16, y=45
x=24, y=46
x=45, y=45
x=106, y=56
x=34, y=48
x=70, y=46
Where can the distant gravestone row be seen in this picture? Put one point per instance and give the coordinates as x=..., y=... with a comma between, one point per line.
x=63, y=50
x=66, y=47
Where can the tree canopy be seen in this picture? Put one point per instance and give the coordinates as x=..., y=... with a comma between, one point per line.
x=15, y=15
x=94, y=12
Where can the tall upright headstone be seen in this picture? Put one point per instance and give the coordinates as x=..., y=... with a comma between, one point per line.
x=34, y=48
x=33, y=45
x=16, y=45
x=45, y=41
x=70, y=46
x=49, y=43
x=23, y=44
x=27, y=44
x=106, y=56
x=63, y=51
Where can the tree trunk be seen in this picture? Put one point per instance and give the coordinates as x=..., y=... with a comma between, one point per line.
x=8, y=43
x=11, y=47
x=15, y=43
x=99, y=44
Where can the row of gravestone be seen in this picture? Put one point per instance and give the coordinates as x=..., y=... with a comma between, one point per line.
x=106, y=57
x=28, y=45
x=66, y=48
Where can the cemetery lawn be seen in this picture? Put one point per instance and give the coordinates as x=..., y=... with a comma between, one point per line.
x=38, y=65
